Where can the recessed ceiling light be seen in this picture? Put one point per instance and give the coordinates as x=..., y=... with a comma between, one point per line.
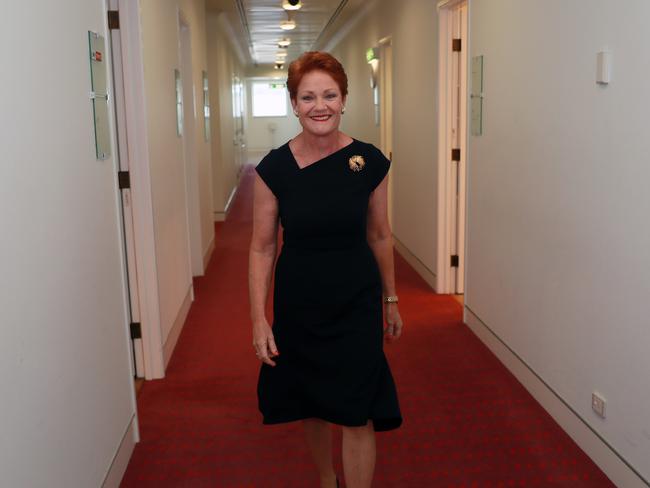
x=291, y=4
x=284, y=42
x=288, y=24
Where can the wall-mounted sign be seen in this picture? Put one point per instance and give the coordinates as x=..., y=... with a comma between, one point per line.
x=206, y=108
x=99, y=95
x=476, y=96
x=178, y=86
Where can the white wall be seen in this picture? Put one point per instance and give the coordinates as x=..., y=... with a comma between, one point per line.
x=414, y=171
x=223, y=66
x=160, y=43
x=65, y=375
x=194, y=10
x=558, y=261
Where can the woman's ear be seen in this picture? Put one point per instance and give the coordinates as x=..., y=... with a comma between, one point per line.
x=293, y=106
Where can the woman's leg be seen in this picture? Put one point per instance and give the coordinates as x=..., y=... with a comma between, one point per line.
x=318, y=434
x=359, y=452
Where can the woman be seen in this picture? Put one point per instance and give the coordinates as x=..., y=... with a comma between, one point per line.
x=323, y=360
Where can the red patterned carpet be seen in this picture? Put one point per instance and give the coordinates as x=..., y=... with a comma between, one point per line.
x=467, y=421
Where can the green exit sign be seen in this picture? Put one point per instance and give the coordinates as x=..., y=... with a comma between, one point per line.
x=371, y=54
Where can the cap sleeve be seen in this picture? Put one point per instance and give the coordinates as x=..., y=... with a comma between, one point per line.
x=267, y=169
x=379, y=167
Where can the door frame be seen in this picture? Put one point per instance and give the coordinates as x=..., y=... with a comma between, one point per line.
x=137, y=143
x=386, y=112
x=447, y=223
x=190, y=159
x=126, y=213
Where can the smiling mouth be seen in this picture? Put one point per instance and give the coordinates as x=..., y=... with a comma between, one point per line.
x=321, y=118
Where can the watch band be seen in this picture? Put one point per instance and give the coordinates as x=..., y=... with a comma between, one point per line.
x=391, y=299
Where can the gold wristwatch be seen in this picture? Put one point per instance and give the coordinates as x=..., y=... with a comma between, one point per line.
x=391, y=299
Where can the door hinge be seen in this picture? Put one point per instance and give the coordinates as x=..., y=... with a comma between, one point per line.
x=455, y=154
x=123, y=180
x=113, y=19
x=136, y=330
x=456, y=45
x=455, y=261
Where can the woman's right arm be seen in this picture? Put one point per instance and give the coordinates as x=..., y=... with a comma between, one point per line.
x=260, y=267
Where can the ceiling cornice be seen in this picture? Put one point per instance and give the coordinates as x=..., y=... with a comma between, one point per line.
x=331, y=21
x=244, y=22
x=347, y=27
x=231, y=38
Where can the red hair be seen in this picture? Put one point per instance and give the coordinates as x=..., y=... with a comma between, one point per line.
x=312, y=61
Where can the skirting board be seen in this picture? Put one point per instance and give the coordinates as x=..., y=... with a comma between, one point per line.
x=220, y=216
x=426, y=274
x=604, y=456
x=122, y=457
x=176, y=329
x=208, y=254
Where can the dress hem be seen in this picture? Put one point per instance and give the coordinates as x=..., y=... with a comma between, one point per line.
x=385, y=424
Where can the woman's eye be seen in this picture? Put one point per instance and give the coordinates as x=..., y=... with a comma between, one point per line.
x=330, y=96
x=306, y=99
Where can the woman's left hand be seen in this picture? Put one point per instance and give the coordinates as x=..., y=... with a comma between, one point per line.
x=393, y=329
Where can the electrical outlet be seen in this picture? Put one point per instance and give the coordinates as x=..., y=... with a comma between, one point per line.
x=598, y=404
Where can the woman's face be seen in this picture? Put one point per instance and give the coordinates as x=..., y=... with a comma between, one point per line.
x=318, y=103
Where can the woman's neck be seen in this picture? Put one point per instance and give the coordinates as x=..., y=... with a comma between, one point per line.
x=320, y=146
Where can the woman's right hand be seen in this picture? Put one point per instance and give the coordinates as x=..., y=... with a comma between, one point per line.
x=264, y=343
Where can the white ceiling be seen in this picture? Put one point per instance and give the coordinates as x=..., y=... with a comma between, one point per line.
x=256, y=25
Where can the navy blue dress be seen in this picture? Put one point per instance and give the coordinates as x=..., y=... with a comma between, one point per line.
x=327, y=301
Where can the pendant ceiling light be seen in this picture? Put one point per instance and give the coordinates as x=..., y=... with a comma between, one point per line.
x=291, y=4
x=284, y=42
x=288, y=24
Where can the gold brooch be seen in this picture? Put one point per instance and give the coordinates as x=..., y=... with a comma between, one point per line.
x=357, y=163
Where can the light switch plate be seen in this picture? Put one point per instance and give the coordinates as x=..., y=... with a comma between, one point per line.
x=603, y=67
x=598, y=404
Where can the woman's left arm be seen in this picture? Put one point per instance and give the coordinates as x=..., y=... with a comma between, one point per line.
x=380, y=240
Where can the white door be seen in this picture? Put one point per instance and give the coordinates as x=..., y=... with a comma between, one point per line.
x=127, y=209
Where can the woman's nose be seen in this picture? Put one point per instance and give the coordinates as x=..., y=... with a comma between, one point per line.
x=320, y=103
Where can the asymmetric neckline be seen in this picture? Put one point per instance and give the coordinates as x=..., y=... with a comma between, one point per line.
x=299, y=168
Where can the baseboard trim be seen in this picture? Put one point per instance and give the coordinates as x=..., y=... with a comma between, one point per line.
x=175, y=332
x=426, y=274
x=230, y=198
x=122, y=457
x=208, y=254
x=220, y=215
x=613, y=464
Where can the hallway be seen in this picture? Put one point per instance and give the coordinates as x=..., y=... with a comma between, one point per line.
x=518, y=182
x=468, y=422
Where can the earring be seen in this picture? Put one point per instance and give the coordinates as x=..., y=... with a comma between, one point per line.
x=342, y=109
x=295, y=112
